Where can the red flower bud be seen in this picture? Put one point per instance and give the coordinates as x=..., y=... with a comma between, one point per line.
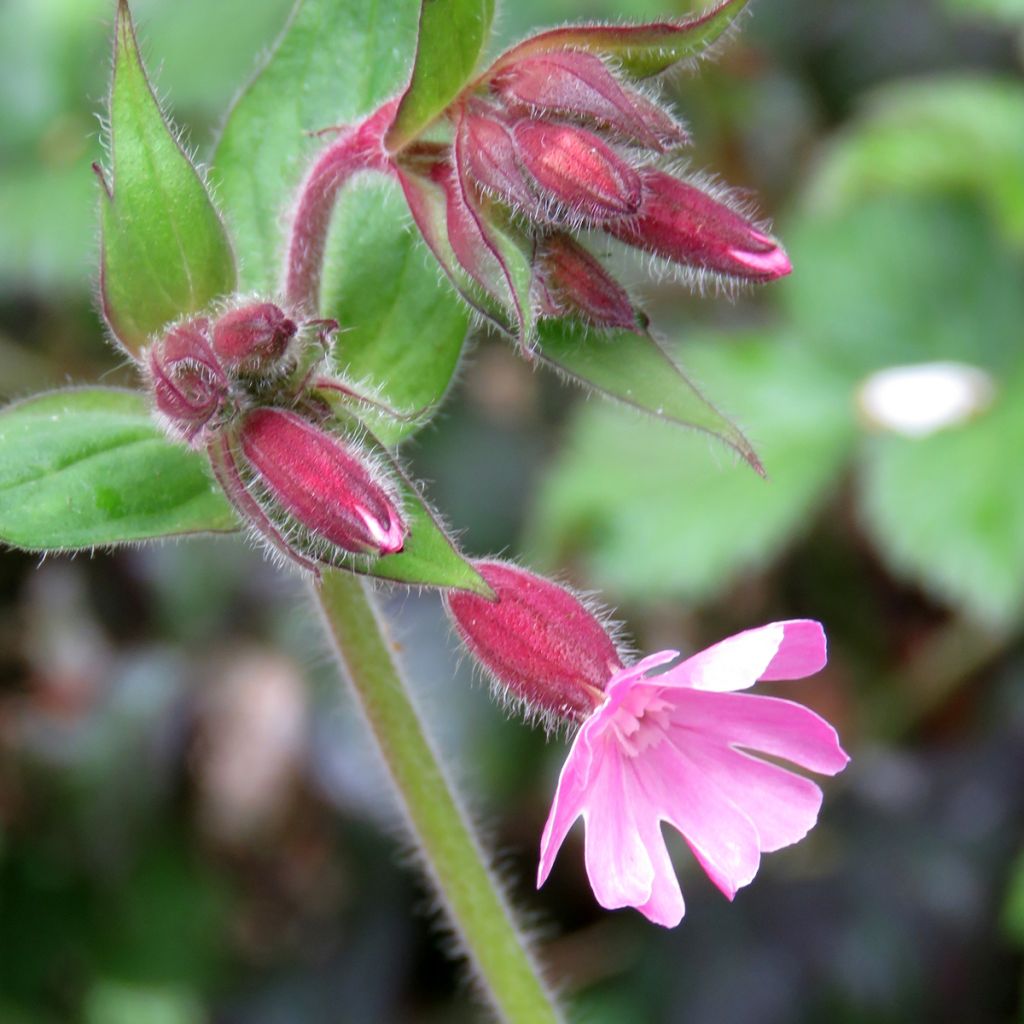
x=536, y=640
x=580, y=85
x=252, y=337
x=188, y=384
x=490, y=159
x=577, y=169
x=320, y=483
x=684, y=224
x=571, y=282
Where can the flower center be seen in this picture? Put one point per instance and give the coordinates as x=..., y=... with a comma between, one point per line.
x=640, y=722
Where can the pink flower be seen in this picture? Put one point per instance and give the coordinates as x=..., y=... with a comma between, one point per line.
x=673, y=747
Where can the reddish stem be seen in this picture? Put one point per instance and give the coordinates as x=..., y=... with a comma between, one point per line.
x=358, y=148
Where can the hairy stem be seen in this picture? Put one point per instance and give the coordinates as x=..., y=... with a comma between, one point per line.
x=440, y=826
x=357, y=148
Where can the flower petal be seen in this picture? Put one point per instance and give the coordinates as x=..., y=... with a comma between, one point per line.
x=569, y=803
x=666, y=906
x=768, y=725
x=782, y=805
x=723, y=839
x=732, y=664
x=619, y=866
x=803, y=651
x=780, y=650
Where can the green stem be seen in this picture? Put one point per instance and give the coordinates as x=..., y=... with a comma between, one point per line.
x=439, y=824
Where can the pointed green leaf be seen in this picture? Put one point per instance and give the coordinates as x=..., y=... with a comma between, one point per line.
x=429, y=558
x=336, y=62
x=648, y=513
x=86, y=468
x=451, y=38
x=403, y=327
x=165, y=250
x=947, y=511
x=636, y=370
x=640, y=50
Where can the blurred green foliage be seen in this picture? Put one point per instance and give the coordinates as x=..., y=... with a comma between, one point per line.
x=903, y=255
x=192, y=826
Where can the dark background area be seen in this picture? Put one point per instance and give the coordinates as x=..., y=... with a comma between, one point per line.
x=193, y=825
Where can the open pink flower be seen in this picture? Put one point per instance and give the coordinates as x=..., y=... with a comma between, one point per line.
x=673, y=747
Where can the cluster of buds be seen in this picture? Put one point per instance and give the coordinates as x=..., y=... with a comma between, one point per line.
x=245, y=388
x=553, y=140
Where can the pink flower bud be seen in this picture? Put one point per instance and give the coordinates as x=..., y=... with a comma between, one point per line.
x=187, y=381
x=490, y=157
x=320, y=483
x=577, y=169
x=571, y=282
x=252, y=337
x=580, y=85
x=683, y=223
x=536, y=640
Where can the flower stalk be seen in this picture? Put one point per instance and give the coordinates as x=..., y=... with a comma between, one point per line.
x=358, y=148
x=452, y=854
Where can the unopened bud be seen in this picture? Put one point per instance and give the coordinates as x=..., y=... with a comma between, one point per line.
x=187, y=381
x=575, y=168
x=572, y=282
x=320, y=483
x=579, y=85
x=536, y=639
x=683, y=223
x=490, y=155
x=252, y=337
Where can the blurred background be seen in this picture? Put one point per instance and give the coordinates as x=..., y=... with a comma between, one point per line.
x=193, y=827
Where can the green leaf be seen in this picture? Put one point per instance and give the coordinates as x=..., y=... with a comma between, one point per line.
x=636, y=370
x=87, y=468
x=451, y=38
x=900, y=278
x=954, y=133
x=650, y=515
x=947, y=511
x=403, y=327
x=429, y=558
x=165, y=249
x=337, y=61
x=640, y=50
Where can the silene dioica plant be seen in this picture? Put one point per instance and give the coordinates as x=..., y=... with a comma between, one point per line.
x=258, y=409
